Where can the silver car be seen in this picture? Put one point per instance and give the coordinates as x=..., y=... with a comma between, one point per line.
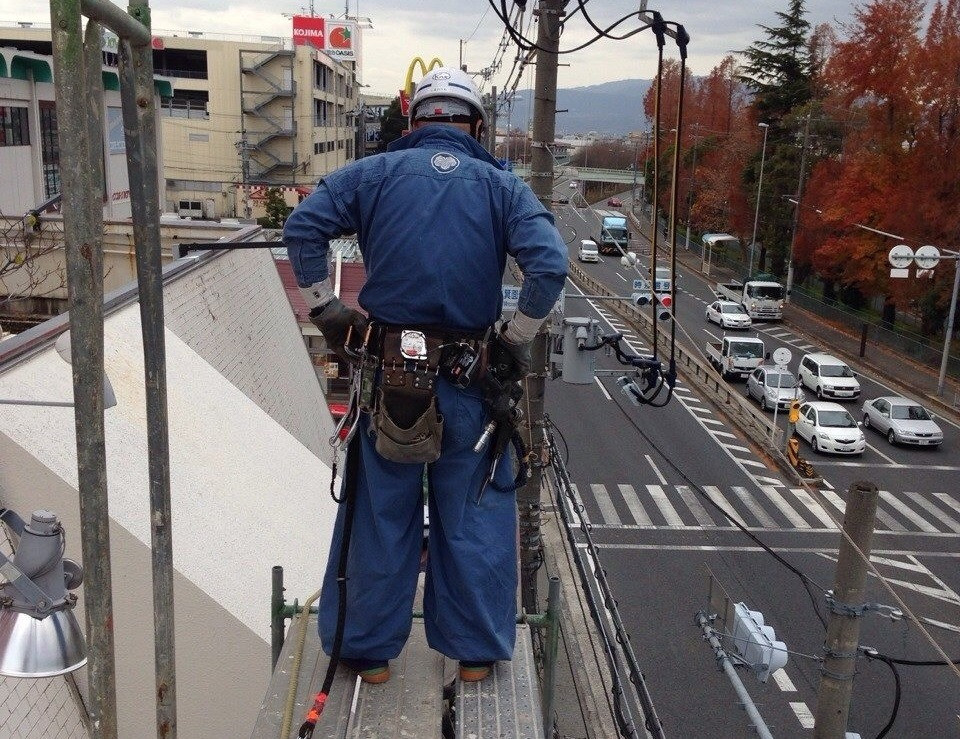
x=902, y=420
x=772, y=386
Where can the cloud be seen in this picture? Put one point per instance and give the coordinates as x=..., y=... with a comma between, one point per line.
x=433, y=28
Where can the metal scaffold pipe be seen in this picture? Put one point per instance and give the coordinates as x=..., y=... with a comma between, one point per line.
x=79, y=95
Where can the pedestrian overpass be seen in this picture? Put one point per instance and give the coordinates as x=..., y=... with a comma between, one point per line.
x=586, y=174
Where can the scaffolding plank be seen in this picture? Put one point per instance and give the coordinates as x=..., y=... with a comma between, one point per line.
x=408, y=705
x=507, y=704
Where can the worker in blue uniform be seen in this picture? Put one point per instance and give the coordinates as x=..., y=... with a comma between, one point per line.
x=436, y=217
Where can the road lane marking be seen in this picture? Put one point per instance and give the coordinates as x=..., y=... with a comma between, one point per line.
x=621, y=277
x=940, y=624
x=755, y=508
x=711, y=421
x=938, y=515
x=836, y=500
x=635, y=506
x=889, y=459
x=735, y=448
x=656, y=470
x=906, y=512
x=713, y=492
x=583, y=509
x=724, y=433
x=815, y=508
x=803, y=714
x=792, y=516
x=770, y=481
x=696, y=507
x=667, y=510
x=935, y=467
x=607, y=511
x=948, y=500
x=783, y=681
x=753, y=463
x=602, y=388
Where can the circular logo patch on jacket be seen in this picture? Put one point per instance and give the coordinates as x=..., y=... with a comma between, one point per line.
x=444, y=163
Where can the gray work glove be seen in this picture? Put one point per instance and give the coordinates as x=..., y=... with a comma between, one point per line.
x=509, y=361
x=335, y=320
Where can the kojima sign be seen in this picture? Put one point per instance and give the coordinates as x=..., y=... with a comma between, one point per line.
x=310, y=30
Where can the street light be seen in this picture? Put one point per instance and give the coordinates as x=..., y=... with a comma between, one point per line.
x=756, y=215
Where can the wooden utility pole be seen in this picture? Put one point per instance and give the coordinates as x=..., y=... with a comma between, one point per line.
x=796, y=211
x=541, y=181
x=843, y=630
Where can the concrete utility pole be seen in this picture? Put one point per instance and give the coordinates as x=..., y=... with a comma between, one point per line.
x=541, y=181
x=843, y=631
x=492, y=132
x=796, y=212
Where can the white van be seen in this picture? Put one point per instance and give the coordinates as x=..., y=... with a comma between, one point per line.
x=828, y=377
x=588, y=251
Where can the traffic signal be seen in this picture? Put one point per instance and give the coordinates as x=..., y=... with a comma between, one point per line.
x=756, y=642
x=663, y=307
x=794, y=412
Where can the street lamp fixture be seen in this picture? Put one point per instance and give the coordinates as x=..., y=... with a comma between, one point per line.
x=756, y=215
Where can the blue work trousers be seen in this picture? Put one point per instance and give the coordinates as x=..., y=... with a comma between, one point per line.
x=471, y=577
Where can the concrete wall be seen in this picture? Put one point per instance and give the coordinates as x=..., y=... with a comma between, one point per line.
x=246, y=494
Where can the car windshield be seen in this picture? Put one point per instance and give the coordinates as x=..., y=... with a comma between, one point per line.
x=733, y=308
x=835, y=370
x=836, y=419
x=765, y=292
x=780, y=379
x=909, y=413
x=744, y=350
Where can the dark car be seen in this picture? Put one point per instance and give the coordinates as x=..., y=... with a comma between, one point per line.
x=615, y=202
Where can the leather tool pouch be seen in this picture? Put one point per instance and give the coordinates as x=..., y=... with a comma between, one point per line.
x=407, y=424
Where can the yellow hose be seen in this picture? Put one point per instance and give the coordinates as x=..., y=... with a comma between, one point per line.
x=295, y=676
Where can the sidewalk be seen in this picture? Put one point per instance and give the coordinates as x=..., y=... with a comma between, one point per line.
x=902, y=373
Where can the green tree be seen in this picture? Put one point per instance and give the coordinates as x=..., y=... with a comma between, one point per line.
x=392, y=124
x=277, y=210
x=780, y=71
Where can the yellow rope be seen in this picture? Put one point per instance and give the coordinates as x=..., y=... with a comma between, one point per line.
x=295, y=672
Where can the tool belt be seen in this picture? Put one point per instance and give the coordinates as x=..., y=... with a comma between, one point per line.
x=398, y=385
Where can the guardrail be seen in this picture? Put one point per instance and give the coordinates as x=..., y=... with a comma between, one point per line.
x=697, y=372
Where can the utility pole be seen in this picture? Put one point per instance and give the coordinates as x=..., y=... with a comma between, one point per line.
x=492, y=132
x=541, y=181
x=846, y=609
x=796, y=212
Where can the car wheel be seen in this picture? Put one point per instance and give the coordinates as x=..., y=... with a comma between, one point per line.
x=866, y=420
x=891, y=437
x=764, y=404
x=819, y=392
x=814, y=446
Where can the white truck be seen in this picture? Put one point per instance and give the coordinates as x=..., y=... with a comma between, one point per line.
x=760, y=298
x=735, y=356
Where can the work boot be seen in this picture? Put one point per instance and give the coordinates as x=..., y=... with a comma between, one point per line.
x=474, y=672
x=371, y=671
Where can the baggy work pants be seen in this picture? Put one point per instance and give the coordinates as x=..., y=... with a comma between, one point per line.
x=471, y=579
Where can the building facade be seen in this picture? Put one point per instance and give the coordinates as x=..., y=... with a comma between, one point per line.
x=241, y=116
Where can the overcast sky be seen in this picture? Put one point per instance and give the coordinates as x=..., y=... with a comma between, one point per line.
x=404, y=29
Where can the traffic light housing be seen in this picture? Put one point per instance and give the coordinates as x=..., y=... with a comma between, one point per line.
x=756, y=642
x=794, y=412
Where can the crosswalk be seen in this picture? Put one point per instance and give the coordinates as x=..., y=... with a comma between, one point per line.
x=623, y=505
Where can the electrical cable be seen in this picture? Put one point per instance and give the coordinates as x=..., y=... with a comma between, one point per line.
x=871, y=654
x=566, y=447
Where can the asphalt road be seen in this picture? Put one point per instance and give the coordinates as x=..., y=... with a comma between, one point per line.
x=651, y=481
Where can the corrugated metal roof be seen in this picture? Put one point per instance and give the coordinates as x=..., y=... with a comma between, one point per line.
x=352, y=279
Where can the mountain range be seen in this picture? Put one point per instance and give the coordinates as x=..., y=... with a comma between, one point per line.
x=608, y=109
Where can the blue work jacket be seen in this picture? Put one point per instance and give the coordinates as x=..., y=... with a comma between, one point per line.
x=435, y=217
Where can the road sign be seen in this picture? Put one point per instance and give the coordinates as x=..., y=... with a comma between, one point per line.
x=641, y=284
x=927, y=257
x=900, y=256
x=900, y=273
x=782, y=356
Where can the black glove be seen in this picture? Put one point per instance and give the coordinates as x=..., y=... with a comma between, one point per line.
x=335, y=321
x=510, y=362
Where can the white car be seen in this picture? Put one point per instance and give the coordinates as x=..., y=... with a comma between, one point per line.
x=772, y=386
x=828, y=377
x=728, y=314
x=902, y=420
x=828, y=427
x=588, y=251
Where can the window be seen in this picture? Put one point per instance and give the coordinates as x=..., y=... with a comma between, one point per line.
x=330, y=146
x=186, y=104
x=320, y=112
x=340, y=144
x=188, y=63
x=349, y=148
x=49, y=148
x=320, y=76
x=14, y=127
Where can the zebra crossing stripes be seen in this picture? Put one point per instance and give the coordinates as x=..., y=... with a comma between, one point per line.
x=695, y=506
x=937, y=514
x=662, y=502
x=683, y=507
x=633, y=503
x=906, y=512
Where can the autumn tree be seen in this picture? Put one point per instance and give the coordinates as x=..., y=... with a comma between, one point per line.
x=392, y=124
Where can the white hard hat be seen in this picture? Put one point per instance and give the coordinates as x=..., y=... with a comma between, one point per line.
x=446, y=88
